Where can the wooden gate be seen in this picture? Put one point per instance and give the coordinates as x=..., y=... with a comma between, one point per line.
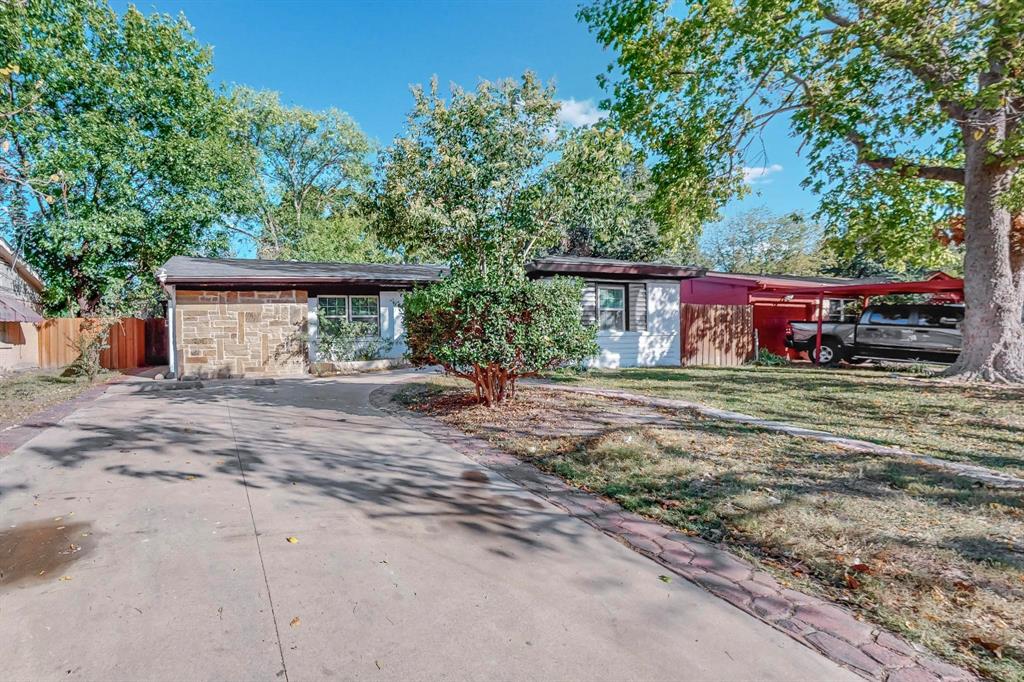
x=156, y=341
x=717, y=335
x=58, y=337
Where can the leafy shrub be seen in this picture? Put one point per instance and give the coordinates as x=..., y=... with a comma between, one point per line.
x=766, y=358
x=494, y=330
x=340, y=341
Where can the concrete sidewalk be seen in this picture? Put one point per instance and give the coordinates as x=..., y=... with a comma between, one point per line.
x=160, y=522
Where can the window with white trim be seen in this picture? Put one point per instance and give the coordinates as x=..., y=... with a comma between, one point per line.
x=611, y=308
x=365, y=309
x=362, y=308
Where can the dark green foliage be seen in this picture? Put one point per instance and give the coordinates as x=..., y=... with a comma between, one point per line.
x=494, y=329
x=126, y=141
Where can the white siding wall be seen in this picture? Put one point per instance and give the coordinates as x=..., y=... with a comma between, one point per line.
x=659, y=345
x=391, y=321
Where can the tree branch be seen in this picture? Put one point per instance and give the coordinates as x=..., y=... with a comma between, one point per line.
x=904, y=167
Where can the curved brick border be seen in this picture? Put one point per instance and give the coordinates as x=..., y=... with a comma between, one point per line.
x=872, y=652
x=996, y=479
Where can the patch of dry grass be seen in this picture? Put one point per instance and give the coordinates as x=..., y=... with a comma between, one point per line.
x=929, y=555
x=968, y=423
x=25, y=393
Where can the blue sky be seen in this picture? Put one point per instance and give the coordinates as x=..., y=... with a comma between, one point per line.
x=362, y=57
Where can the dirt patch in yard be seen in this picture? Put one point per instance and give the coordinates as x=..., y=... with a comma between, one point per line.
x=930, y=555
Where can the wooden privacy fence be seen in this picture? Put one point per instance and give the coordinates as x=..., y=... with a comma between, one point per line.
x=718, y=335
x=58, y=337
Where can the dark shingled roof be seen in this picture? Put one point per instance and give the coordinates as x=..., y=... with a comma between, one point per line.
x=186, y=270
x=575, y=265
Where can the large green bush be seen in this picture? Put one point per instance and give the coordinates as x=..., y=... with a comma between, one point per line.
x=495, y=330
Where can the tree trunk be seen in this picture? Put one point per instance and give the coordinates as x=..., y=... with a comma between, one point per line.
x=993, y=330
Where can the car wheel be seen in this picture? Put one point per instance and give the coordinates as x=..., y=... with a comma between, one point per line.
x=830, y=354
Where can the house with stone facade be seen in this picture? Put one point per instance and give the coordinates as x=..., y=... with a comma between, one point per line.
x=244, y=317
x=21, y=290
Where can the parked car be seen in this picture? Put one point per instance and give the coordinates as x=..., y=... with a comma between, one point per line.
x=924, y=332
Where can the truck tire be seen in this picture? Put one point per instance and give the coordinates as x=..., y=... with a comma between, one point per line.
x=831, y=353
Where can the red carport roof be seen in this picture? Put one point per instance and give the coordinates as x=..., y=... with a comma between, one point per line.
x=928, y=286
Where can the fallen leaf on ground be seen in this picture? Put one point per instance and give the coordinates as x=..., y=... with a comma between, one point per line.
x=295, y=622
x=64, y=578
x=665, y=578
x=292, y=539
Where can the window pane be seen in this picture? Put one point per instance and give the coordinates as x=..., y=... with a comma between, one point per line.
x=333, y=306
x=613, y=320
x=940, y=317
x=364, y=306
x=611, y=297
x=890, y=316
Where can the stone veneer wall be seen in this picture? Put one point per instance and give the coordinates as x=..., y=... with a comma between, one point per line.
x=240, y=333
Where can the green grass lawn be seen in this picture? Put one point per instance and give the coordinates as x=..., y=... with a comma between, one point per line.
x=912, y=548
x=24, y=393
x=971, y=423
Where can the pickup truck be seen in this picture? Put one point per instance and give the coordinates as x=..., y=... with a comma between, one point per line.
x=925, y=332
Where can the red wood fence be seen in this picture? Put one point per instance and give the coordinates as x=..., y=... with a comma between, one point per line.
x=718, y=335
x=58, y=337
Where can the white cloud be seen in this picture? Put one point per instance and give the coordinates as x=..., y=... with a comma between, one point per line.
x=577, y=114
x=753, y=175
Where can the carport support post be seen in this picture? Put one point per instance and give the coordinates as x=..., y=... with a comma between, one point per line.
x=817, y=341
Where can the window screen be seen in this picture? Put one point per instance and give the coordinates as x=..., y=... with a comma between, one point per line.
x=611, y=308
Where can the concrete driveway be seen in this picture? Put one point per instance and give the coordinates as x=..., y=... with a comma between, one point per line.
x=146, y=537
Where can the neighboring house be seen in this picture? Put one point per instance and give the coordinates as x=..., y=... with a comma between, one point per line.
x=237, y=317
x=773, y=307
x=21, y=289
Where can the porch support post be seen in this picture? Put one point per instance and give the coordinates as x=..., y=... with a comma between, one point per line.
x=817, y=341
x=312, y=329
x=172, y=351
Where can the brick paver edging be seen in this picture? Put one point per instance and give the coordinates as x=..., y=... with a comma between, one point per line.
x=872, y=652
x=991, y=477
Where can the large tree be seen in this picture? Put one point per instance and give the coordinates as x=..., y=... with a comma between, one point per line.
x=122, y=145
x=310, y=168
x=924, y=93
x=476, y=181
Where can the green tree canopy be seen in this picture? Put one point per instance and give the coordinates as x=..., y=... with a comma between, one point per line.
x=310, y=169
x=486, y=178
x=605, y=199
x=762, y=243
x=116, y=116
x=925, y=95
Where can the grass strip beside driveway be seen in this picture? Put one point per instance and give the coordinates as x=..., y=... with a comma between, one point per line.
x=25, y=393
x=974, y=423
x=928, y=555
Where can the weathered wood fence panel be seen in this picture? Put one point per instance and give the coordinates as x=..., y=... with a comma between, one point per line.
x=58, y=338
x=717, y=335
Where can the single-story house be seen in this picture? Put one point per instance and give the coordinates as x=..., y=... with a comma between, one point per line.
x=237, y=317
x=21, y=290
